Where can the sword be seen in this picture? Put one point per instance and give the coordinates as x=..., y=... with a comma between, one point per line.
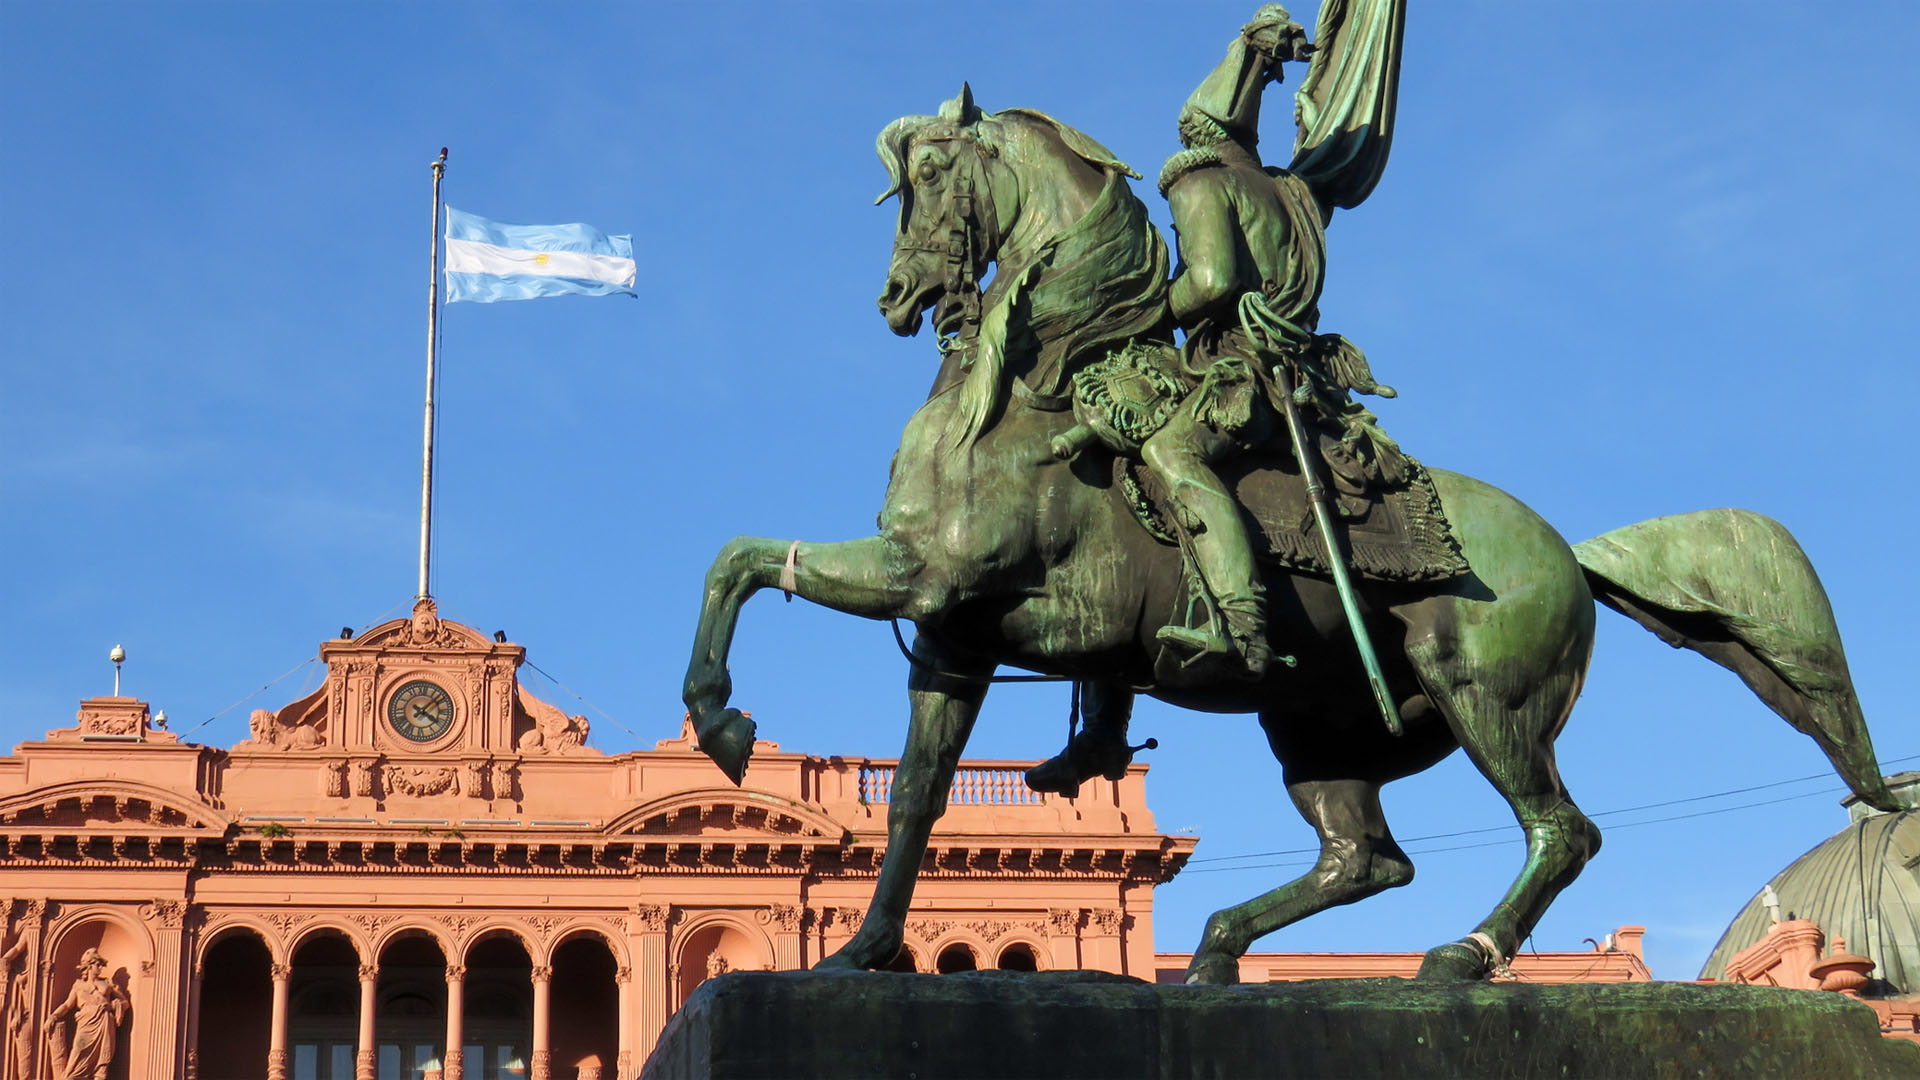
x=1342, y=581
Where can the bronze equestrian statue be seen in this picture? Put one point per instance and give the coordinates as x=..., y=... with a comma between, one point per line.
x=1030, y=519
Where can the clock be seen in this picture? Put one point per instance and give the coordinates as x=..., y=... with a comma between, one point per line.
x=420, y=711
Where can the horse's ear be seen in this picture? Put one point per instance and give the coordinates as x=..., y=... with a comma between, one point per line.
x=961, y=110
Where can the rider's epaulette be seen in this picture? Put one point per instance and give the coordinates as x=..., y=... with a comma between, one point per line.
x=1184, y=162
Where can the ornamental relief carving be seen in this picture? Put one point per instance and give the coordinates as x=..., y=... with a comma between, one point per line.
x=170, y=914
x=333, y=779
x=930, y=930
x=1062, y=922
x=360, y=774
x=652, y=917
x=989, y=931
x=784, y=916
x=118, y=722
x=473, y=779
x=1108, y=920
x=419, y=781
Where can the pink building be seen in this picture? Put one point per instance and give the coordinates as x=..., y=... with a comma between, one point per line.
x=423, y=867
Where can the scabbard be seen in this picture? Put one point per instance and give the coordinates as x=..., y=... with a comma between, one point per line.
x=1336, y=561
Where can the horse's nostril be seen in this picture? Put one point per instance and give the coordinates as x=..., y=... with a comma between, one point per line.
x=896, y=289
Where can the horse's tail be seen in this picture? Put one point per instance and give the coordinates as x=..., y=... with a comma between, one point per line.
x=1735, y=587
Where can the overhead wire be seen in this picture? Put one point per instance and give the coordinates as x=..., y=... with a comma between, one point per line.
x=1510, y=828
x=278, y=679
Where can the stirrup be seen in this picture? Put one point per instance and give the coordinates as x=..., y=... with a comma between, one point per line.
x=1198, y=643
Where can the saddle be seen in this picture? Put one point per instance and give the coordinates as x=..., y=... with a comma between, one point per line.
x=1394, y=534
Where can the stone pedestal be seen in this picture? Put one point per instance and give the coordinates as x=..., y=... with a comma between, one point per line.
x=1067, y=1025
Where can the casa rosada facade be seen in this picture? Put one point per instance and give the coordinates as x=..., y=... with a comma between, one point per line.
x=421, y=869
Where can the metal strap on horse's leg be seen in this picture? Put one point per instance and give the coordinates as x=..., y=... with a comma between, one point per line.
x=788, y=580
x=1323, y=515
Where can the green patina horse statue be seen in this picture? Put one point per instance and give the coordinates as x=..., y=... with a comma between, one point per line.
x=1001, y=553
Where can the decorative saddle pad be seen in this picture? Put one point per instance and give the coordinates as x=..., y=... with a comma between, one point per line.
x=1398, y=534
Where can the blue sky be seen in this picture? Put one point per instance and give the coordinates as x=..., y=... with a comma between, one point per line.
x=1628, y=260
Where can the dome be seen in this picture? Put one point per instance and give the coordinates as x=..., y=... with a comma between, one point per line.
x=1862, y=884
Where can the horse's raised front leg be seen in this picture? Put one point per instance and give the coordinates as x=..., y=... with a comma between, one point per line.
x=865, y=577
x=943, y=713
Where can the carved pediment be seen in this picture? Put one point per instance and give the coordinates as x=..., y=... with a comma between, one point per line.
x=107, y=804
x=424, y=629
x=726, y=810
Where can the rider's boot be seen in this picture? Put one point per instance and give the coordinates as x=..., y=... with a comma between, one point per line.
x=1099, y=748
x=1093, y=752
x=1181, y=453
x=1225, y=558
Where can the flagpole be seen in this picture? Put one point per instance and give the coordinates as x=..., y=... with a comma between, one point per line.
x=433, y=326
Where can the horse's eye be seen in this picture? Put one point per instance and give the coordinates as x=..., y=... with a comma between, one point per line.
x=927, y=171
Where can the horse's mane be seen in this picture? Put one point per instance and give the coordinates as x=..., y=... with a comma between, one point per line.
x=1095, y=284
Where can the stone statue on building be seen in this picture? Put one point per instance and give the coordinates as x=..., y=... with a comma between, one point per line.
x=84, y=1030
x=16, y=1019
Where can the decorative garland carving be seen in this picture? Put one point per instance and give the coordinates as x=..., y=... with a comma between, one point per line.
x=419, y=781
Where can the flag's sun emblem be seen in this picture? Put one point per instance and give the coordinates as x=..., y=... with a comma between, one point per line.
x=542, y=259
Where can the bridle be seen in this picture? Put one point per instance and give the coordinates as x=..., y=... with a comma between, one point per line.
x=972, y=229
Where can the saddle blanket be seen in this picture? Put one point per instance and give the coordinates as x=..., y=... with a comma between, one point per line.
x=1397, y=534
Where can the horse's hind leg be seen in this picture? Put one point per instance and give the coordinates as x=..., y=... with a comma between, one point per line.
x=1358, y=858
x=1512, y=745
x=944, y=710
x=861, y=577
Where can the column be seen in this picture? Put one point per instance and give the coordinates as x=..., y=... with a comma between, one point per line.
x=1063, y=926
x=623, y=978
x=1101, y=951
x=364, y=1059
x=542, y=1048
x=452, y=1062
x=784, y=920
x=165, y=989
x=192, y=1071
x=655, y=980
x=277, y=1037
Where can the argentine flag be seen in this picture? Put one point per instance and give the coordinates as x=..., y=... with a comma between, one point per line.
x=488, y=261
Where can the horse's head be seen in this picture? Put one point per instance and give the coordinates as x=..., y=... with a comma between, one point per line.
x=950, y=222
x=974, y=188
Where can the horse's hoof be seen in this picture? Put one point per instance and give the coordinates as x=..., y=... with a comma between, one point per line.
x=1456, y=961
x=837, y=962
x=728, y=740
x=1213, y=971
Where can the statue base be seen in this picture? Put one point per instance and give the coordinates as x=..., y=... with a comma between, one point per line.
x=1072, y=1024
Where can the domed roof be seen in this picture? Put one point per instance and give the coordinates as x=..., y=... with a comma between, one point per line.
x=1862, y=884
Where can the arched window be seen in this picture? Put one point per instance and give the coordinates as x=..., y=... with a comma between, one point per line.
x=956, y=957
x=1018, y=957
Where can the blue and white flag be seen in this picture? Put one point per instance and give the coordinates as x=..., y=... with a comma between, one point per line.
x=488, y=261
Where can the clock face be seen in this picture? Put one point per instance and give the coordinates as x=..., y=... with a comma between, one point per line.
x=420, y=711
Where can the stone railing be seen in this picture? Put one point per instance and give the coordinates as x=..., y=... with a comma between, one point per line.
x=998, y=784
